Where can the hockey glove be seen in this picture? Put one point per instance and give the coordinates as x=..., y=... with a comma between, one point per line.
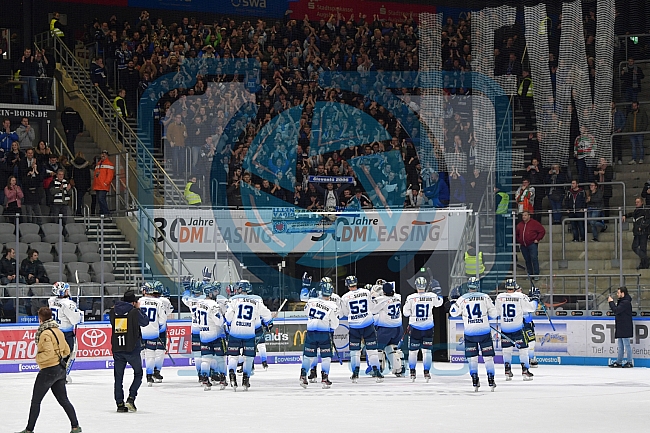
x=535, y=294
x=454, y=294
x=306, y=280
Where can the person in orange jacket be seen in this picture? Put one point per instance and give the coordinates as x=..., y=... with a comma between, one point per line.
x=102, y=180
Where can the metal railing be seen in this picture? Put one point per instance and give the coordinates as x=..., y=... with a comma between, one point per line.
x=119, y=130
x=584, y=219
x=626, y=40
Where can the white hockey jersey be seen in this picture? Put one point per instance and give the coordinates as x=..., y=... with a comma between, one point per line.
x=243, y=312
x=389, y=311
x=223, y=303
x=511, y=308
x=419, y=309
x=191, y=302
x=476, y=308
x=339, y=303
x=65, y=312
x=211, y=320
x=169, y=309
x=154, y=309
x=359, y=308
x=321, y=315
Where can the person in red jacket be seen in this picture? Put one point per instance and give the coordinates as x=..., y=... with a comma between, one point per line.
x=529, y=232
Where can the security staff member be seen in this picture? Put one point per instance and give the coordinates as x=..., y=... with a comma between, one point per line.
x=119, y=104
x=56, y=28
x=192, y=193
x=525, y=93
x=471, y=261
x=126, y=319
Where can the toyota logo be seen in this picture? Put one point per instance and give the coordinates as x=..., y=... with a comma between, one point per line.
x=94, y=338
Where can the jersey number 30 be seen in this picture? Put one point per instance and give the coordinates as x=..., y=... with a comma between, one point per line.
x=151, y=313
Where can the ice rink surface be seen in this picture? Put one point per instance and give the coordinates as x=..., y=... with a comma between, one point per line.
x=559, y=399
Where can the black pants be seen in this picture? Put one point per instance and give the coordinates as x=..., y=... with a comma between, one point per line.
x=50, y=378
x=640, y=247
x=135, y=361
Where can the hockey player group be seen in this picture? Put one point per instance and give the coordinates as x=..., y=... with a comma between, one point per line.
x=227, y=331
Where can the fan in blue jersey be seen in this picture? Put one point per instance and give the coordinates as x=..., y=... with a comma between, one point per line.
x=359, y=308
x=419, y=309
x=477, y=309
x=244, y=311
x=67, y=315
x=191, y=298
x=512, y=306
x=388, y=323
x=156, y=311
x=212, y=334
x=322, y=321
x=529, y=334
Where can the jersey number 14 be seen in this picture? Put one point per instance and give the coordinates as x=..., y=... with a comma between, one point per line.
x=474, y=312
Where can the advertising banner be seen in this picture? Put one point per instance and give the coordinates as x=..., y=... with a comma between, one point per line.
x=575, y=341
x=253, y=8
x=286, y=230
x=322, y=9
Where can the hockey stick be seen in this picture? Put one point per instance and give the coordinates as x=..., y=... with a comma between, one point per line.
x=166, y=351
x=408, y=329
x=505, y=337
x=543, y=306
x=338, y=355
x=274, y=315
x=73, y=351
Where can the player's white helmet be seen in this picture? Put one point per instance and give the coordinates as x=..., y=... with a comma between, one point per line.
x=59, y=288
x=147, y=288
x=511, y=284
x=376, y=290
x=420, y=284
x=326, y=280
x=380, y=281
x=473, y=284
x=351, y=281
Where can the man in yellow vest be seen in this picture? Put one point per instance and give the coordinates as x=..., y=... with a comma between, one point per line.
x=119, y=104
x=56, y=28
x=192, y=192
x=526, y=97
x=471, y=261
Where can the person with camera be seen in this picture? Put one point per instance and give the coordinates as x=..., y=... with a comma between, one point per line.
x=51, y=357
x=641, y=219
x=556, y=194
x=624, y=327
x=126, y=319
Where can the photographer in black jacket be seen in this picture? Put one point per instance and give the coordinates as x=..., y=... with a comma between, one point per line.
x=126, y=320
x=624, y=327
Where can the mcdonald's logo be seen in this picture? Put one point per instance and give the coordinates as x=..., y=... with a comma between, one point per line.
x=302, y=337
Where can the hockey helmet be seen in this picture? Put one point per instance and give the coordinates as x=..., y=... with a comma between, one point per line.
x=197, y=288
x=351, y=281
x=146, y=288
x=511, y=284
x=474, y=284
x=420, y=284
x=59, y=288
x=208, y=289
x=157, y=287
x=244, y=286
x=326, y=280
x=326, y=290
x=217, y=287
x=388, y=289
x=380, y=281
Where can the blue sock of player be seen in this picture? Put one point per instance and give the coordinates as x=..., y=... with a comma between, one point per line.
x=427, y=359
x=531, y=350
x=413, y=359
x=523, y=357
x=473, y=365
x=232, y=363
x=262, y=348
x=160, y=358
x=241, y=359
x=248, y=364
x=507, y=355
x=221, y=364
x=355, y=359
x=149, y=360
x=205, y=365
x=314, y=362
x=307, y=362
x=373, y=358
x=489, y=365
x=325, y=365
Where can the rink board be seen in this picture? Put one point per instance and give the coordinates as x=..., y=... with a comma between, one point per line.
x=284, y=344
x=575, y=341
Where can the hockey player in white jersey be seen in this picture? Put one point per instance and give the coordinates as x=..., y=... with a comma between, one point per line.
x=243, y=313
x=477, y=309
x=359, y=308
x=213, y=339
x=388, y=323
x=158, y=292
x=67, y=315
x=191, y=298
x=511, y=307
x=419, y=309
x=322, y=321
x=154, y=309
x=529, y=333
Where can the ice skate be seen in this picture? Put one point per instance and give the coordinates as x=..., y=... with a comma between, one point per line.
x=508, y=371
x=265, y=365
x=413, y=375
x=527, y=375
x=303, y=378
x=150, y=380
x=207, y=385
x=313, y=376
x=533, y=363
x=491, y=382
x=475, y=382
x=377, y=374
x=245, y=382
x=355, y=375
x=156, y=376
x=427, y=375
x=325, y=381
x=233, y=380
x=223, y=383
